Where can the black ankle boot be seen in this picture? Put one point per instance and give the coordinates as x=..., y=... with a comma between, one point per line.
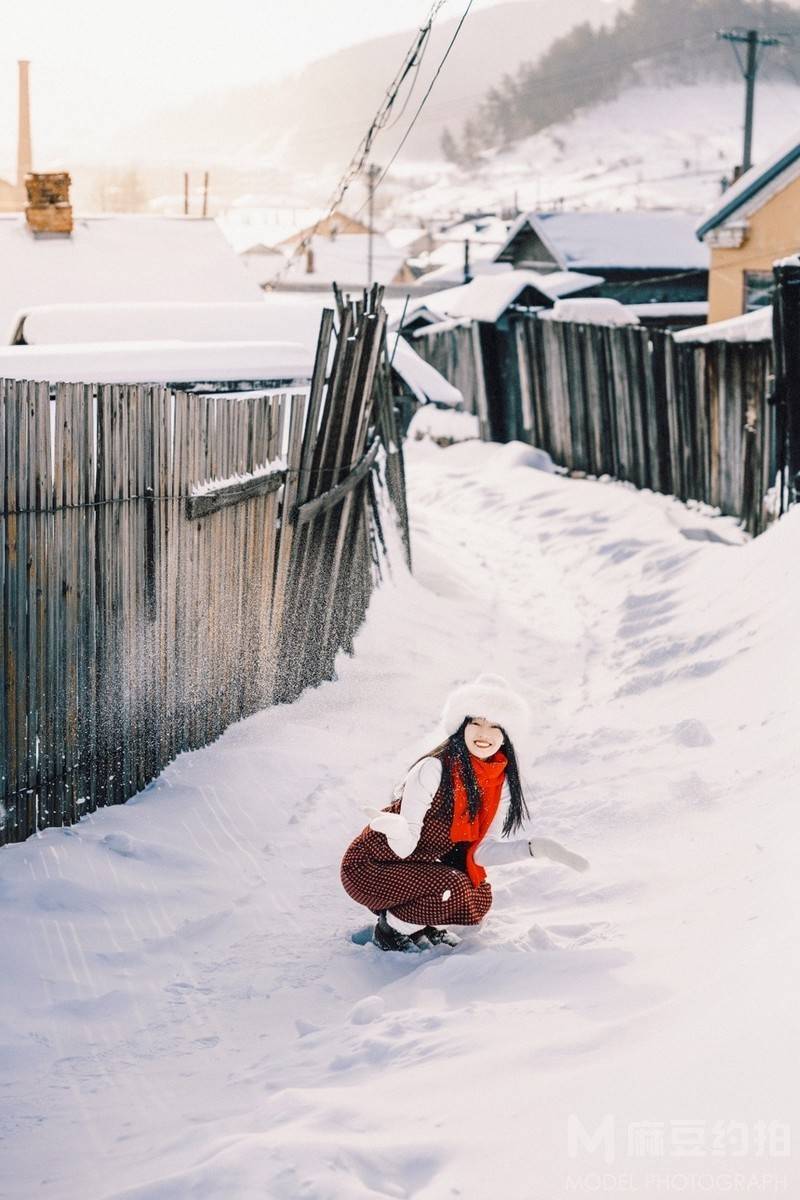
x=389, y=938
x=436, y=936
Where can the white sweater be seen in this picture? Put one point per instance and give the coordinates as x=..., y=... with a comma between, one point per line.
x=418, y=790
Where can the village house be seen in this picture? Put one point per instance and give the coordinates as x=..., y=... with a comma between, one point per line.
x=458, y=250
x=753, y=223
x=644, y=257
x=262, y=262
x=49, y=257
x=338, y=249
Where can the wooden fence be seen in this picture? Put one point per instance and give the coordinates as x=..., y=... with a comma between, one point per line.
x=455, y=352
x=172, y=562
x=689, y=419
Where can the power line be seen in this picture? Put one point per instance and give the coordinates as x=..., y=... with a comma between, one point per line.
x=359, y=159
x=421, y=105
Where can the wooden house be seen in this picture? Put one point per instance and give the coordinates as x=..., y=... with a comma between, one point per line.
x=339, y=249
x=643, y=257
x=752, y=224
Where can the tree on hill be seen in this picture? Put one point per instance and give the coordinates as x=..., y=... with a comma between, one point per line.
x=652, y=42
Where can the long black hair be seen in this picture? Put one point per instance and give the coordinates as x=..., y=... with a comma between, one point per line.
x=454, y=755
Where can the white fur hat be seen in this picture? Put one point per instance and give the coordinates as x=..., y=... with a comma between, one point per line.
x=492, y=697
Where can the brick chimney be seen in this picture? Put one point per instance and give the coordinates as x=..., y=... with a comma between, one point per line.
x=24, y=151
x=48, y=209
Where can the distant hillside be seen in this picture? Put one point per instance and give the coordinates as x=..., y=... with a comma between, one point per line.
x=651, y=44
x=665, y=146
x=316, y=119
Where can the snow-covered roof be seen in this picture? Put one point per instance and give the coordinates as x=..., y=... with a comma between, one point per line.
x=342, y=260
x=262, y=248
x=454, y=272
x=595, y=241
x=671, y=308
x=754, y=326
x=278, y=318
x=251, y=320
x=490, y=229
x=591, y=310
x=445, y=325
x=246, y=222
x=424, y=380
x=773, y=174
x=401, y=237
x=487, y=297
x=421, y=310
x=159, y=362
x=118, y=257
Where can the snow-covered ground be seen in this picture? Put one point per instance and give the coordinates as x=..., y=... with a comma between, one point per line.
x=185, y=1013
x=651, y=147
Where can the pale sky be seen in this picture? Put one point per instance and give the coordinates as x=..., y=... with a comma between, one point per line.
x=99, y=62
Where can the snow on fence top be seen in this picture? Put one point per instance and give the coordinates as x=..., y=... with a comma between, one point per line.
x=118, y=257
x=751, y=327
x=670, y=308
x=591, y=310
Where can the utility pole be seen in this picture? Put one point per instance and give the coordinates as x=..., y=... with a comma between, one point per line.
x=186, y=193
x=749, y=68
x=373, y=171
x=205, y=194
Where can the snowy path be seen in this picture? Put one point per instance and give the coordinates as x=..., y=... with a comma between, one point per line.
x=184, y=1013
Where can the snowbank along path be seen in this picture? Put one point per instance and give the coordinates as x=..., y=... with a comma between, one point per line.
x=185, y=1013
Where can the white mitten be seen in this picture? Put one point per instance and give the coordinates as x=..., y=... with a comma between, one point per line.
x=548, y=848
x=397, y=830
x=497, y=853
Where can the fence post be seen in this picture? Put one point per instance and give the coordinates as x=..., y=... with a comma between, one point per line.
x=786, y=335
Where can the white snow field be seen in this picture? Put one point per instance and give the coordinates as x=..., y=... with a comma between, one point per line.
x=184, y=1011
x=649, y=147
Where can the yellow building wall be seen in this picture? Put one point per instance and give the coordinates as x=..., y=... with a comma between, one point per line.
x=773, y=232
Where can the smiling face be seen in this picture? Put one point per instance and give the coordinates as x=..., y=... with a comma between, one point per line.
x=482, y=738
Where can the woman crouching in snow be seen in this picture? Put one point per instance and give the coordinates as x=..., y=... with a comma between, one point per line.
x=419, y=864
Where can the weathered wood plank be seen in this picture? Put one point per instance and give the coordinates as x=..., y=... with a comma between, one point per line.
x=328, y=500
x=227, y=494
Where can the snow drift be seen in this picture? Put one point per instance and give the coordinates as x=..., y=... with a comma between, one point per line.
x=188, y=1008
